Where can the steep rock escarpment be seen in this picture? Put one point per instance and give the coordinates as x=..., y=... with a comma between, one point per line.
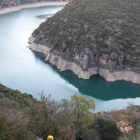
x=93, y=37
x=15, y=3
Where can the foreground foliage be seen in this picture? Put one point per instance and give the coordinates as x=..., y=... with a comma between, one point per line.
x=67, y=119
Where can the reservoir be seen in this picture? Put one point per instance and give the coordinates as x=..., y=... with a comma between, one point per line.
x=22, y=69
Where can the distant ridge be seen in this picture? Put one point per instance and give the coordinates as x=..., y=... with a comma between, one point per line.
x=7, y=6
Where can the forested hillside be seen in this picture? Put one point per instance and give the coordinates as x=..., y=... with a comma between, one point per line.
x=102, y=33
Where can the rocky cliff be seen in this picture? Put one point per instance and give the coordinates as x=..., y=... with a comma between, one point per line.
x=93, y=37
x=11, y=3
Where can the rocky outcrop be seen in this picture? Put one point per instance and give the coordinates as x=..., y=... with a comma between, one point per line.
x=62, y=64
x=59, y=62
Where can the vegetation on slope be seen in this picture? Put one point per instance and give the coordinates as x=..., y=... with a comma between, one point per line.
x=14, y=98
x=97, y=29
x=68, y=119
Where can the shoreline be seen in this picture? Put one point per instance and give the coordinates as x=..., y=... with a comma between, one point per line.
x=26, y=6
x=63, y=65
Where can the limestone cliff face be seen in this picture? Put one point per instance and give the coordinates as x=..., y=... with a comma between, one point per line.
x=63, y=65
x=59, y=62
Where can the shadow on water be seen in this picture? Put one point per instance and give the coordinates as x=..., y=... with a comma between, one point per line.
x=97, y=87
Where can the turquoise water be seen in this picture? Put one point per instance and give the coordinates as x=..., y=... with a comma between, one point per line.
x=22, y=69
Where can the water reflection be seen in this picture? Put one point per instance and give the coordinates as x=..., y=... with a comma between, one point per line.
x=97, y=87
